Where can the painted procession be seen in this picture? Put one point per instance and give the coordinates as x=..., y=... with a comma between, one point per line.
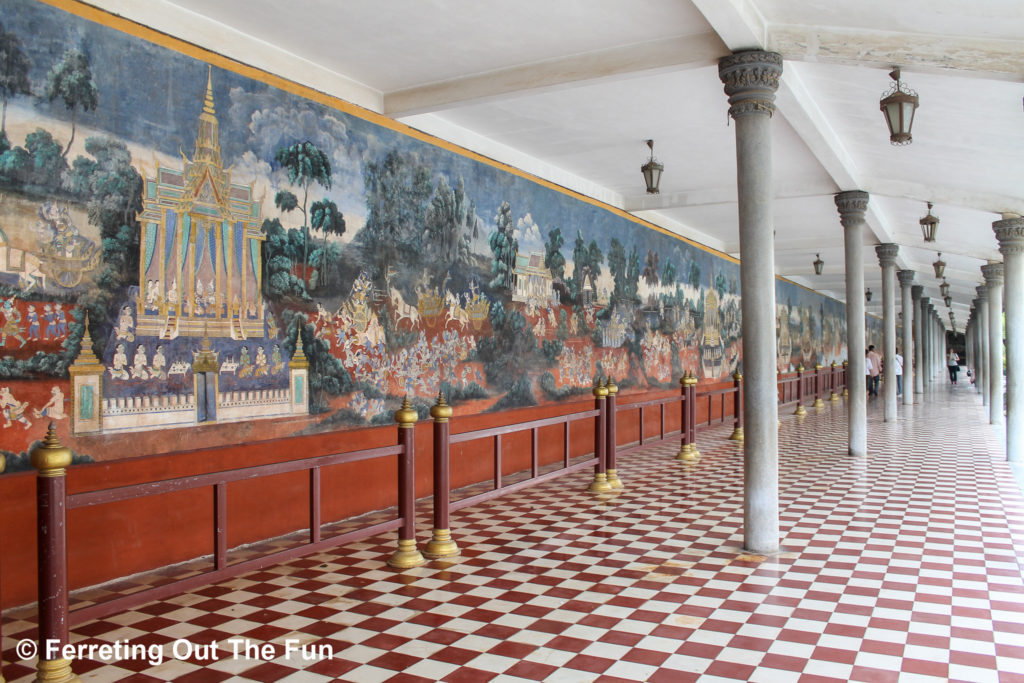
x=181, y=245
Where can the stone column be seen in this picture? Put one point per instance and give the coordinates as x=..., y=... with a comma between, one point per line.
x=887, y=260
x=852, y=205
x=918, y=358
x=751, y=79
x=993, y=273
x=1010, y=233
x=906, y=278
x=926, y=340
x=982, y=380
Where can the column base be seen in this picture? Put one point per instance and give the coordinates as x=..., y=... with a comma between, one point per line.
x=441, y=545
x=737, y=434
x=600, y=484
x=55, y=671
x=407, y=556
x=613, y=480
x=800, y=410
x=687, y=453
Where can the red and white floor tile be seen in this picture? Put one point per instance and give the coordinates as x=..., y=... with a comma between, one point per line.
x=902, y=566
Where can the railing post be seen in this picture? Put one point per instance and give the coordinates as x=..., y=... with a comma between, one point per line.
x=833, y=380
x=600, y=483
x=610, y=436
x=819, y=387
x=3, y=466
x=800, y=410
x=737, y=410
x=51, y=460
x=441, y=543
x=684, y=441
x=694, y=453
x=846, y=378
x=407, y=555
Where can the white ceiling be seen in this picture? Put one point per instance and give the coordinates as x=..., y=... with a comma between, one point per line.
x=569, y=90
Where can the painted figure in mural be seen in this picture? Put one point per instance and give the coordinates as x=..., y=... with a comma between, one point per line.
x=260, y=368
x=54, y=408
x=119, y=364
x=276, y=360
x=158, y=368
x=62, y=320
x=50, y=316
x=10, y=327
x=139, y=363
x=125, y=325
x=13, y=409
x=33, y=323
x=244, y=363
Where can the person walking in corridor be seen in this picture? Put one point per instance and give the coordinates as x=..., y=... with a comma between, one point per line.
x=875, y=369
x=953, y=363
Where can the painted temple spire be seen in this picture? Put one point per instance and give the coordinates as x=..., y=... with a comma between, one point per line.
x=208, y=138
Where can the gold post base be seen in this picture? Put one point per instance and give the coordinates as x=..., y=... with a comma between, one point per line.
x=688, y=453
x=737, y=434
x=818, y=403
x=441, y=545
x=846, y=392
x=407, y=556
x=834, y=397
x=800, y=410
x=600, y=484
x=55, y=671
x=613, y=480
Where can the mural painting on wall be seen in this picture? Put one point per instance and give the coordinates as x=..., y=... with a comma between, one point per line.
x=811, y=329
x=182, y=245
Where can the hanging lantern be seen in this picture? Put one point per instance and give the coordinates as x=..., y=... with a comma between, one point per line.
x=949, y=301
x=652, y=171
x=928, y=225
x=818, y=264
x=898, y=105
x=944, y=288
x=939, y=266
x=867, y=295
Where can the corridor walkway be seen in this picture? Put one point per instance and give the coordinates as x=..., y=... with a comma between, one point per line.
x=905, y=565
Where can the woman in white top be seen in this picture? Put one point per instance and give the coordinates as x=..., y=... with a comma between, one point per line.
x=953, y=362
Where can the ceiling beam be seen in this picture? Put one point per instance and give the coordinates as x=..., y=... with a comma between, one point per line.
x=988, y=57
x=720, y=195
x=628, y=61
x=990, y=202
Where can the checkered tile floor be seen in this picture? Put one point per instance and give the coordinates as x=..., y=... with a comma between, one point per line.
x=905, y=565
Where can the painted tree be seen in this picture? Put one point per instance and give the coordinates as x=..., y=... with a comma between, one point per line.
x=398, y=189
x=448, y=221
x=617, y=267
x=14, y=66
x=71, y=80
x=650, y=271
x=327, y=219
x=579, y=266
x=306, y=164
x=633, y=274
x=594, y=260
x=668, y=274
x=693, y=275
x=504, y=247
x=553, y=259
x=721, y=284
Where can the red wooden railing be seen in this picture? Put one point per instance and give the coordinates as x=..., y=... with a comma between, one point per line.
x=51, y=460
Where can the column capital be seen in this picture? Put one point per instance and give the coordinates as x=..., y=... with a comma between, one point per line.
x=926, y=301
x=1010, y=233
x=993, y=273
x=852, y=204
x=982, y=292
x=905, y=277
x=887, y=253
x=916, y=291
x=751, y=78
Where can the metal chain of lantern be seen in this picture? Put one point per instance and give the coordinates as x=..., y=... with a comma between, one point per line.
x=939, y=266
x=652, y=171
x=928, y=225
x=818, y=264
x=898, y=105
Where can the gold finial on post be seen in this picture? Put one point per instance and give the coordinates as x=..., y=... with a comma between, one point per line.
x=50, y=458
x=406, y=416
